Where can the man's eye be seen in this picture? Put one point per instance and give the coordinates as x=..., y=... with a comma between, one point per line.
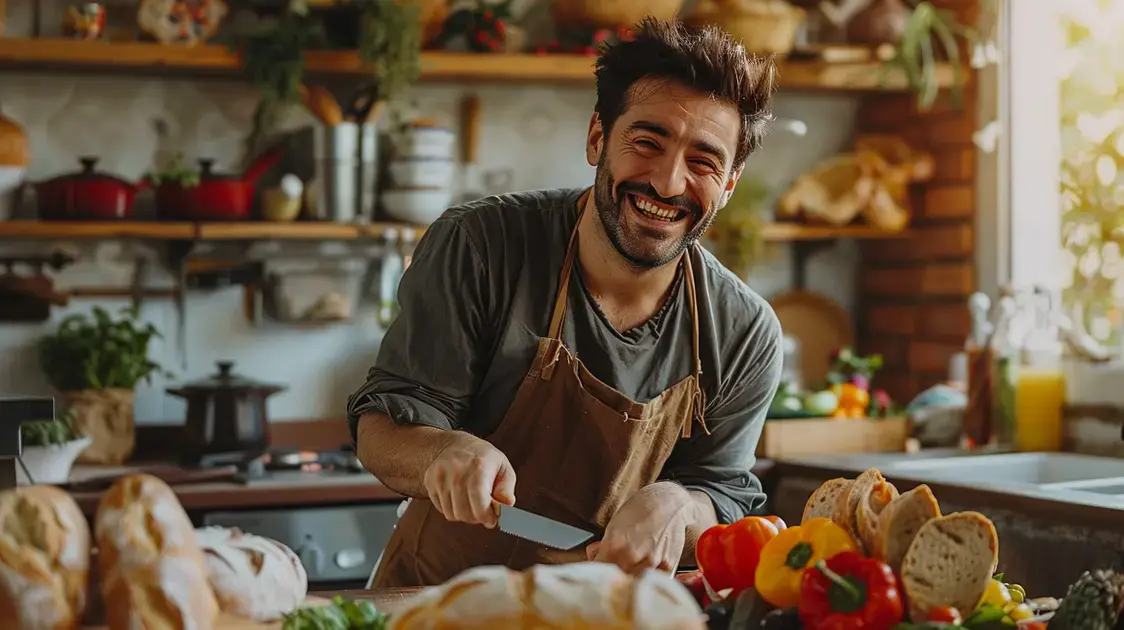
x=647, y=143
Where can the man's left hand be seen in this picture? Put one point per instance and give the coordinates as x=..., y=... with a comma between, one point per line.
x=649, y=530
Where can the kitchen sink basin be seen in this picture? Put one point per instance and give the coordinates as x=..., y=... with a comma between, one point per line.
x=1038, y=469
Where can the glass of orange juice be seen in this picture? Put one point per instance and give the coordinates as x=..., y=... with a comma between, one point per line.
x=1040, y=399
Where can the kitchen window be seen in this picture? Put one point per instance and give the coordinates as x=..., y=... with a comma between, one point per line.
x=1053, y=162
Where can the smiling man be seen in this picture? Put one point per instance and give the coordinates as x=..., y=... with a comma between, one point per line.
x=577, y=353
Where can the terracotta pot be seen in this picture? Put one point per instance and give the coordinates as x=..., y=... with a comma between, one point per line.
x=105, y=416
x=881, y=22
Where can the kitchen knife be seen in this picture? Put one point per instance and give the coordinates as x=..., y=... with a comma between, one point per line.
x=540, y=529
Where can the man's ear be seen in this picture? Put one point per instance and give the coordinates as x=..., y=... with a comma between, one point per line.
x=730, y=185
x=594, y=141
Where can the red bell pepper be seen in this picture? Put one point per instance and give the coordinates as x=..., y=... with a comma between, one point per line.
x=850, y=592
x=728, y=555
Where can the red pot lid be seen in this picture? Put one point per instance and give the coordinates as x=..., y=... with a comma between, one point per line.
x=89, y=173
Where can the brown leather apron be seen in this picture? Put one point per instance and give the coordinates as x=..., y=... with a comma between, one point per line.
x=579, y=448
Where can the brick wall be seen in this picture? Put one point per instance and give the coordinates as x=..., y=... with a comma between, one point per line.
x=913, y=291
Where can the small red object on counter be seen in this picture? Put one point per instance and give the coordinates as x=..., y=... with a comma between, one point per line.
x=850, y=592
x=728, y=554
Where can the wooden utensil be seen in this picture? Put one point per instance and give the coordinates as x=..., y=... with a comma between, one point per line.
x=470, y=143
x=322, y=104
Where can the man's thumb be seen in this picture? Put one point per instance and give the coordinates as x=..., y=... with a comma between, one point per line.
x=503, y=490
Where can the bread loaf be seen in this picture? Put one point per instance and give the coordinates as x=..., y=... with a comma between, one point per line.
x=151, y=567
x=253, y=577
x=900, y=522
x=870, y=491
x=823, y=501
x=579, y=596
x=44, y=560
x=950, y=563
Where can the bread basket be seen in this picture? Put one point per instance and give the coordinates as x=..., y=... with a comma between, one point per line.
x=763, y=26
x=612, y=13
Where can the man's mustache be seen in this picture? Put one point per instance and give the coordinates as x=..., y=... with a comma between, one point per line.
x=647, y=190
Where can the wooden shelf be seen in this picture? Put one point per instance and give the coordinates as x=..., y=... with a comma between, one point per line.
x=309, y=230
x=67, y=54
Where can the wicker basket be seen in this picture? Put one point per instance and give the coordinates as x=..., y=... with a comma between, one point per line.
x=763, y=26
x=612, y=13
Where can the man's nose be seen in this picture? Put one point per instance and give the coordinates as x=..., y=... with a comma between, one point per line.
x=669, y=177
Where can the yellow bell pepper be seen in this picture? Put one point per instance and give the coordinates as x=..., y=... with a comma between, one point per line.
x=785, y=558
x=996, y=594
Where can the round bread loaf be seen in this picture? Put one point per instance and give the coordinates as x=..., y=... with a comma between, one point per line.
x=579, y=596
x=151, y=567
x=253, y=577
x=44, y=559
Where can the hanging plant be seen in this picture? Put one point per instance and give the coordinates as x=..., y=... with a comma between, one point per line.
x=390, y=40
x=484, y=27
x=916, y=54
x=738, y=230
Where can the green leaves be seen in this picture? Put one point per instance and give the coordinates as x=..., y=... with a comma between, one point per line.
x=341, y=614
x=98, y=352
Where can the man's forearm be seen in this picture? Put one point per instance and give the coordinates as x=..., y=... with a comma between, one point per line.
x=400, y=455
x=704, y=518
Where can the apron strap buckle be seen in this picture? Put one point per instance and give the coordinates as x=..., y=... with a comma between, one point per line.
x=697, y=412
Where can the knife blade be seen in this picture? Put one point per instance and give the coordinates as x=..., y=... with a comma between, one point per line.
x=539, y=529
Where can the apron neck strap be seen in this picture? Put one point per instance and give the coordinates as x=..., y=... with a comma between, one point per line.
x=559, y=314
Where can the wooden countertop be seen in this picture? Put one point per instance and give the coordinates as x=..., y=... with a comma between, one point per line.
x=283, y=490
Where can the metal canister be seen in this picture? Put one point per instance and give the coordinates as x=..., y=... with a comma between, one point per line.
x=344, y=181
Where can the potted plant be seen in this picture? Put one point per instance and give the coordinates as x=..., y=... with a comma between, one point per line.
x=96, y=363
x=49, y=450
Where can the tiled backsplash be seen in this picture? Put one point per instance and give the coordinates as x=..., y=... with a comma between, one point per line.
x=536, y=133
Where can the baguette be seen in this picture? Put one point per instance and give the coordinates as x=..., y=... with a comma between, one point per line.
x=950, y=563
x=44, y=559
x=578, y=596
x=253, y=577
x=151, y=567
x=899, y=523
x=823, y=501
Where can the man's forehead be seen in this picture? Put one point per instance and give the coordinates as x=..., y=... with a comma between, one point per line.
x=676, y=110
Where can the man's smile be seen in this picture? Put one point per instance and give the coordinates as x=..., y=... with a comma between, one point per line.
x=651, y=209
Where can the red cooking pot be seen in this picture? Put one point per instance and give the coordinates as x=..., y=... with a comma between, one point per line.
x=217, y=197
x=87, y=195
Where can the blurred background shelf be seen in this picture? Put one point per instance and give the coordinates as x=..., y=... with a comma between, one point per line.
x=69, y=55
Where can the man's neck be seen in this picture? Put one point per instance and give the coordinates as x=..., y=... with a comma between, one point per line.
x=629, y=295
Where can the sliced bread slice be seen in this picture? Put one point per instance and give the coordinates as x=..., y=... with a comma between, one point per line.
x=899, y=523
x=823, y=500
x=869, y=511
x=848, y=504
x=950, y=563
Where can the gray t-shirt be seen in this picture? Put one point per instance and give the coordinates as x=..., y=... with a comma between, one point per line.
x=478, y=296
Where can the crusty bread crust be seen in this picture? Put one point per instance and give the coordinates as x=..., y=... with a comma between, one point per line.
x=870, y=482
x=869, y=511
x=899, y=523
x=578, y=596
x=44, y=559
x=950, y=563
x=253, y=577
x=823, y=501
x=151, y=567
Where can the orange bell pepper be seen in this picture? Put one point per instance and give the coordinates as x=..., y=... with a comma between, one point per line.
x=853, y=401
x=727, y=555
x=784, y=559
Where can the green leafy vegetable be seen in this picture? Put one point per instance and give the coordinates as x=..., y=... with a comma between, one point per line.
x=47, y=432
x=341, y=614
x=98, y=352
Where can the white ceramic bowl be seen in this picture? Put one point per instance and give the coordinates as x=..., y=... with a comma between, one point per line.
x=426, y=142
x=421, y=206
x=422, y=173
x=50, y=464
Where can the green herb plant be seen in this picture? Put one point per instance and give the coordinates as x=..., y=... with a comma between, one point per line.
x=99, y=352
x=341, y=614
x=175, y=172
x=390, y=40
x=48, y=432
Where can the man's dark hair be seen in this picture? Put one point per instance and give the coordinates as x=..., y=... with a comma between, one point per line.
x=705, y=59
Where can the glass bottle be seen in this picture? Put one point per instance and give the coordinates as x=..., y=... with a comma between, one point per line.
x=390, y=274
x=1040, y=384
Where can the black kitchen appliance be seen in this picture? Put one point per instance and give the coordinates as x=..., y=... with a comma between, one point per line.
x=226, y=416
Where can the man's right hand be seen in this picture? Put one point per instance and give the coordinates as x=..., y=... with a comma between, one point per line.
x=466, y=478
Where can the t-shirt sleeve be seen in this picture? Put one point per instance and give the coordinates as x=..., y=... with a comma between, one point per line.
x=719, y=463
x=432, y=356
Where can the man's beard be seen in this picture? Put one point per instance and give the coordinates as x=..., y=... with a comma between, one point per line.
x=631, y=246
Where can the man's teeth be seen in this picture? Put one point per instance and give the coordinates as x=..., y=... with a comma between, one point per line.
x=654, y=211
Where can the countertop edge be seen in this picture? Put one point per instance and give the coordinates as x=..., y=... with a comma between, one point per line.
x=226, y=495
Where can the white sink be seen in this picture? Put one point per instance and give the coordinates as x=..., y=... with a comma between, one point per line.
x=1060, y=470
